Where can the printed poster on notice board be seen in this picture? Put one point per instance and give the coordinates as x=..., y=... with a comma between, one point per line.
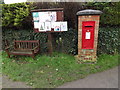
x=35, y=16
x=47, y=16
x=53, y=16
x=36, y=24
x=48, y=26
x=42, y=26
x=56, y=26
x=63, y=26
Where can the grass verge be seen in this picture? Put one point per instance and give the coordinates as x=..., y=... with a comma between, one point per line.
x=50, y=72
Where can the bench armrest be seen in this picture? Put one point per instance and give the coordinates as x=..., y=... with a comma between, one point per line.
x=31, y=49
x=8, y=47
x=35, y=47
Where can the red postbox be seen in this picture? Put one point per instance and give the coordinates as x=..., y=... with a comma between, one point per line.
x=88, y=28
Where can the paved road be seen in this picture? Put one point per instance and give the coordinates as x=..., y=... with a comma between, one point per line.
x=106, y=79
x=7, y=83
x=0, y=81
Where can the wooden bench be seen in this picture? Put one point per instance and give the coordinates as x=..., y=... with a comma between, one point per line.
x=28, y=48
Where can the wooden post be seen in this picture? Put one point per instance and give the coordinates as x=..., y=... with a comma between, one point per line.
x=51, y=39
x=50, y=46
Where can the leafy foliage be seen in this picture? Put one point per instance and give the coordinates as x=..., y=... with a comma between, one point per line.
x=13, y=15
x=1, y=13
x=111, y=12
x=18, y=15
x=108, y=40
x=70, y=41
x=11, y=35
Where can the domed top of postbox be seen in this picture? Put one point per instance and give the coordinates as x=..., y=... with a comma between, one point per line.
x=89, y=12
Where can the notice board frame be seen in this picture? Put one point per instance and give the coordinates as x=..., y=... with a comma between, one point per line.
x=60, y=17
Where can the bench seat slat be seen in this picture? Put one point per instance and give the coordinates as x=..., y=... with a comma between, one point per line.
x=20, y=52
x=25, y=47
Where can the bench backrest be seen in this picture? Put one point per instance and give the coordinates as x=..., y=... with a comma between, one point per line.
x=26, y=45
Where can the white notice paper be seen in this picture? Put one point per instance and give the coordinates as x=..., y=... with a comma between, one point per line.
x=41, y=26
x=53, y=16
x=87, y=35
x=47, y=26
x=36, y=24
x=47, y=16
x=56, y=26
x=63, y=26
x=35, y=16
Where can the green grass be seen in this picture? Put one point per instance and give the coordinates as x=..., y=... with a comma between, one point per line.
x=50, y=72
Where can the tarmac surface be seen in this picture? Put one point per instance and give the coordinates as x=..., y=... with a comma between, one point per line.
x=7, y=83
x=106, y=79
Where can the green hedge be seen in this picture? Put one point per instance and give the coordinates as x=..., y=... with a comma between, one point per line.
x=67, y=41
x=11, y=35
x=108, y=40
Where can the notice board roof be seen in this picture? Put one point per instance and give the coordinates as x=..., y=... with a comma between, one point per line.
x=53, y=9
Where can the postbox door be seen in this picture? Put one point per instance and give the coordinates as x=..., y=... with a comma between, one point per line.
x=88, y=28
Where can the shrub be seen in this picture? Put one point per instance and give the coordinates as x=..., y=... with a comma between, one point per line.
x=108, y=40
x=111, y=12
x=14, y=15
x=67, y=41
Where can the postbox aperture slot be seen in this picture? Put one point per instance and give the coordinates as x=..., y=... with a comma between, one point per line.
x=88, y=26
